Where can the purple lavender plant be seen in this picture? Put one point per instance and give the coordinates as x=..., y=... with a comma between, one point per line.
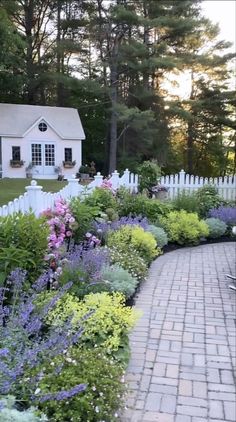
x=89, y=262
x=103, y=228
x=226, y=214
x=25, y=340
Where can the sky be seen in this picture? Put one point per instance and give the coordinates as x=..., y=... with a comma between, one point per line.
x=222, y=12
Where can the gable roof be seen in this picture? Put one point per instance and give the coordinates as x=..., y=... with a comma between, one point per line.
x=18, y=119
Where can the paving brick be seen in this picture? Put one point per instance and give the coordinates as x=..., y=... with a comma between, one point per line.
x=153, y=402
x=185, y=388
x=168, y=404
x=230, y=411
x=216, y=409
x=192, y=410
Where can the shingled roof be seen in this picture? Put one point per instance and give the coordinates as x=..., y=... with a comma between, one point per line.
x=17, y=119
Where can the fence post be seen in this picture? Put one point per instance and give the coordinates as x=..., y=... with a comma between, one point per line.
x=35, y=197
x=115, y=179
x=73, y=186
x=98, y=179
x=181, y=179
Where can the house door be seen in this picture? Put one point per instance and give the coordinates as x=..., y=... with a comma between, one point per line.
x=43, y=159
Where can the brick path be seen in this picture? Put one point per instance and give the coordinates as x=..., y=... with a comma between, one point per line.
x=183, y=347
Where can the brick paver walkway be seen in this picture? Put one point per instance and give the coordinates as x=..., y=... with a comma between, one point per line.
x=183, y=347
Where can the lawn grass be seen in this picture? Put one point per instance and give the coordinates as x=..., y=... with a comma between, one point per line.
x=12, y=188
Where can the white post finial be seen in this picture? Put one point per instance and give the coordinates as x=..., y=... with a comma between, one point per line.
x=35, y=197
x=181, y=177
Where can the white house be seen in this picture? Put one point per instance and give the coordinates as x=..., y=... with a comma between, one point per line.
x=40, y=137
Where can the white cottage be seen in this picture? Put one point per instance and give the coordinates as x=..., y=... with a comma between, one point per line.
x=39, y=138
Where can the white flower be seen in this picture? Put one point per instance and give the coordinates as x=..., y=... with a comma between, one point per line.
x=97, y=409
x=37, y=391
x=94, y=388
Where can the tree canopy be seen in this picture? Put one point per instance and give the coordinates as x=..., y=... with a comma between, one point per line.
x=117, y=62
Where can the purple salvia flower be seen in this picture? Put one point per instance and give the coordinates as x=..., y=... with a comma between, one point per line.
x=63, y=395
x=226, y=214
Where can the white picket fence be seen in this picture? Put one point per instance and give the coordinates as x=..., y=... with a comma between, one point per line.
x=182, y=181
x=36, y=200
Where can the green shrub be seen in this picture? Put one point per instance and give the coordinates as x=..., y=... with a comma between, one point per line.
x=130, y=261
x=119, y=280
x=28, y=233
x=186, y=201
x=135, y=236
x=184, y=228
x=108, y=324
x=136, y=205
x=217, y=228
x=149, y=172
x=9, y=413
x=207, y=198
x=159, y=234
x=11, y=258
x=101, y=198
x=104, y=392
x=84, y=215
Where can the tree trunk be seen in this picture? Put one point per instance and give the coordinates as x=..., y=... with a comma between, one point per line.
x=113, y=125
x=190, y=133
x=29, y=24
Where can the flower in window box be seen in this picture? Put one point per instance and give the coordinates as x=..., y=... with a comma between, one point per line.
x=16, y=163
x=69, y=164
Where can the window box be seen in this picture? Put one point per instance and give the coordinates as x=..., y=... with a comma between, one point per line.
x=69, y=164
x=16, y=163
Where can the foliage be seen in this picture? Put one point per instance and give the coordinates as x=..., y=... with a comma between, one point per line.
x=83, y=268
x=84, y=215
x=184, y=228
x=217, y=228
x=140, y=205
x=207, y=198
x=28, y=233
x=25, y=343
x=101, y=198
x=102, y=227
x=101, y=374
x=11, y=258
x=109, y=319
x=159, y=234
x=119, y=280
x=142, y=242
x=149, y=172
x=130, y=261
x=186, y=201
x=226, y=214
x=9, y=412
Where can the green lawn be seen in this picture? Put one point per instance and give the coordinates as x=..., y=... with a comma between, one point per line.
x=12, y=188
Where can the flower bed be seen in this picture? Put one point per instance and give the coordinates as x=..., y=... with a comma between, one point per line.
x=64, y=295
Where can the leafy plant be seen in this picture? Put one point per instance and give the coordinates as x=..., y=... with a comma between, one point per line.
x=84, y=215
x=142, y=242
x=9, y=412
x=207, y=198
x=11, y=258
x=104, y=392
x=186, y=201
x=217, y=228
x=130, y=261
x=149, y=172
x=101, y=198
x=27, y=233
x=119, y=280
x=159, y=234
x=140, y=205
x=108, y=324
x=184, y=228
